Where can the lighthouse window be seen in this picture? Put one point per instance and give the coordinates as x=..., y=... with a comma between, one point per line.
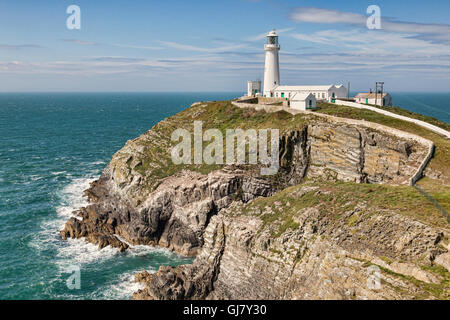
x=272, y=40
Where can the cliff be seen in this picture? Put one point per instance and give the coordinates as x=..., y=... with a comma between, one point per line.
x=340, y=202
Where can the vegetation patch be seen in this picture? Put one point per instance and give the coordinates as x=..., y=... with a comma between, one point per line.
x=438, y=166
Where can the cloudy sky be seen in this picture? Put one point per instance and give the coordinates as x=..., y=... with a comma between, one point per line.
x=217, y=45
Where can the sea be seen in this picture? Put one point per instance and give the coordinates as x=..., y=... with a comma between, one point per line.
x=52, y=146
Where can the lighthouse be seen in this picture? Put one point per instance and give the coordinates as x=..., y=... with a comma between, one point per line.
x=272, y=64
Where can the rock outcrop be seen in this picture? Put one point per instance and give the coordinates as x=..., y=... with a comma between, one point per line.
x=239, y=254
x=323, y=257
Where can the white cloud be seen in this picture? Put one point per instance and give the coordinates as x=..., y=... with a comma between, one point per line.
x=137, y=47
x=318, y=15
x=80, y=42
x=19, y=46
x=428, y=31
x=188, y=47
x=262, y=36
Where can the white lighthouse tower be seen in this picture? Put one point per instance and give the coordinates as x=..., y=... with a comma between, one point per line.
x=272, y=65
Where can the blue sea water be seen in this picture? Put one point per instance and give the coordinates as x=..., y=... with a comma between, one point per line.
x=51, y=147
x=436, y=105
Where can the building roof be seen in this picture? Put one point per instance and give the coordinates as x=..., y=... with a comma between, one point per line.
x=301, y=96
x=305, y=88
x=370, y=95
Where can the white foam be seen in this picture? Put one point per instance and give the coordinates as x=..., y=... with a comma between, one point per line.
x=70, y=199
x=57, y=173
x=79, y=252
x=35, y=177
x=122, y=288
x=98, y=162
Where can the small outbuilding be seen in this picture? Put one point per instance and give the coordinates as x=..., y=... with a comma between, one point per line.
x=377, y=99
x=253, y=88
x=302, y=101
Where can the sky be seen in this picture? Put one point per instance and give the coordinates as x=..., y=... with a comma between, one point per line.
x=217, y=45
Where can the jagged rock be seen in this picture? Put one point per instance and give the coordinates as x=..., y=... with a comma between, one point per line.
x=237, y=254
x=320, y=259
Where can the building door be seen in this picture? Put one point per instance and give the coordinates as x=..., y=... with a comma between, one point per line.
x=282, y=94
x=367, y=100
x=384, y=102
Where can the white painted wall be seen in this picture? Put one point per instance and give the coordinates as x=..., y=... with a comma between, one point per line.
x=308, y=103
x=325, y=94
x=340, y=92
x=252, y=86
x=272, y=64
x=319, y=95
x=388, y=100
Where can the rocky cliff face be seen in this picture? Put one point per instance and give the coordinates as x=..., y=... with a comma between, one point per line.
x=323, y=257
x=275, y=251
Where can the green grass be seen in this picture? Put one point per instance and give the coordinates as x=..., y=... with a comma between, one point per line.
x=441, y=159
x=335, y=198
x=415, y=115
x=439, y=165
x=429, y=290
x=156, y=162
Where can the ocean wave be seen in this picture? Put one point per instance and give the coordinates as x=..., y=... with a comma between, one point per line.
x=70, y=198
x=122, y=288
x=35, y=177
x=57, y=173
x=80, y=253
x=98, y=162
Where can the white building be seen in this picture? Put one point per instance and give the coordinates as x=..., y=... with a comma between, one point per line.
x=272, y=63
x=273, y=88
x=379, y=99
x=328, y=92
x=253, y=88
x=302, y=101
